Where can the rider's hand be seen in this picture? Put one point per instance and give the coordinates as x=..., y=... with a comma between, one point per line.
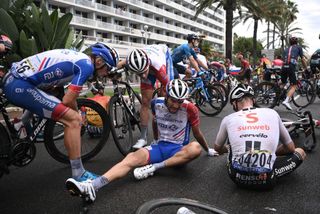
x=212, y=152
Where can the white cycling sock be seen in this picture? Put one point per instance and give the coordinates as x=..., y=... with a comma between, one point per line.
x=99, y=182
x=287, y=99
x=77, y=168
x=159, y=165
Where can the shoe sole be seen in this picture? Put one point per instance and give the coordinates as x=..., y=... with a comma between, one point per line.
x=73, y=189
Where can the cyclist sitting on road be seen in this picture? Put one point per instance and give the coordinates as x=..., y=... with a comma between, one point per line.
x=245, y=72
x=186, y=51
x=26, y=83
x=289, y=68
x=151, y=63
x=256, y=159
x=173, y=118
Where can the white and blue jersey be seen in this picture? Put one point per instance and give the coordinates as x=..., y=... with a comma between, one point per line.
x=26, y=80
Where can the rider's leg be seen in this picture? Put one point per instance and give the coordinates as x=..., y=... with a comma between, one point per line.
x=146, y=95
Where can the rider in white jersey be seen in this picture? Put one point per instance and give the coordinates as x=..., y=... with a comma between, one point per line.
x=151, y=63
x=253, y=136
x=29, y=81
x=173, y=117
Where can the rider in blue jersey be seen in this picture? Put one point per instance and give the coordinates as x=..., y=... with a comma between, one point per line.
x=186, y=51
x=27, y=84
x=174, y=117
x=290, y=63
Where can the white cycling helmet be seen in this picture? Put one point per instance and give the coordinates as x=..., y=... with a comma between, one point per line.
x=241, y=91
x=177, y=89
x=138, y=61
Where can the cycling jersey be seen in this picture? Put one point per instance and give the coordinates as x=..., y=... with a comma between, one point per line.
x=26, y=80
x=253, y=135
x=291, y=54
x=175, y=127
x=277, y=63
x=160, y=66
x=181, y=52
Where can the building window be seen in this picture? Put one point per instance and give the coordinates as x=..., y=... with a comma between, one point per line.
x=82, y=14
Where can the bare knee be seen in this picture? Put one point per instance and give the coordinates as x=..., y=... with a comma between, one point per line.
x=136, y=158
x=72, y=119
x=301, y=152
x=194, y=149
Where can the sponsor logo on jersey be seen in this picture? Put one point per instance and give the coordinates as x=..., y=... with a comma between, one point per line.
x=253, y=127
x=57, y=73
x=38, y=98
x=260, y=135
x=19, y=90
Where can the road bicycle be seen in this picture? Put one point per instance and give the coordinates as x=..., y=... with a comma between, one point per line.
x=18, y=151
x=124, y=112
x=304, y=124
x=269, y=93
x=171, y=205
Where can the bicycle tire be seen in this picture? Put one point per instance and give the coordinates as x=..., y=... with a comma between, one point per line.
x=215, y=101
x=150, y=206
x=5, y=150
x=90, y=147
x=266, y=95
x=304, y=94
x=122, y=124
x=223, y=90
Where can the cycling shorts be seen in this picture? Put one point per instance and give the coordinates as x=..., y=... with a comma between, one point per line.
x=283, y=165
x=289, y=71
x=245, y=75
x=162, y=151
x=22, y=93
x=178, y=69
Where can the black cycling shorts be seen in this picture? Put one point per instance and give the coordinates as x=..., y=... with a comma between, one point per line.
x=246, y=75
x=283, y=165
x=178, y=69
x=289, y=71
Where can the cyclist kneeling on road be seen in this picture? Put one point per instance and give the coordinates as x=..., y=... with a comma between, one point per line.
x=27, y=84
x=151, y=63
x=256, y=158
x=173, y=118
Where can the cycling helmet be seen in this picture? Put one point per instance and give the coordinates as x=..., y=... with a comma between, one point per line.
x=177, y=89
x=315, y=62
x=138, y=61
x=240, y=91
x=109, y=55
x=293, y=40
x=7, y=42
x=192, y=36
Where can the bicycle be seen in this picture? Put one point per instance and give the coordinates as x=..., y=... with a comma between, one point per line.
x=174, y=203
x=124, y=112
x=306, y=124
x=20, y=152
x=269, y=93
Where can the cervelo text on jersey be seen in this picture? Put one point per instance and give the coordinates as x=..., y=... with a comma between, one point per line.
x=175, y=127
x=54, y=67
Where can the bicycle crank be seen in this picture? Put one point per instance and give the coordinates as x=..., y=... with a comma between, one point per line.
x=23, y=153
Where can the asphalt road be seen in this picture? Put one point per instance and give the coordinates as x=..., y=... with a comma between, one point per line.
x=39, y=187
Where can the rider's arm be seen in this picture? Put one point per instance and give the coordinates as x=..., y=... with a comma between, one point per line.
x=194, y=63
x=70, y=99
x=200, y=137
x=154, y=121
x=221, y=138
x=287, y=145
x=121, y=63
x=202, y=64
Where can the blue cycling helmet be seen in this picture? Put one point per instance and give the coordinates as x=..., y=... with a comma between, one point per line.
x=109, y=55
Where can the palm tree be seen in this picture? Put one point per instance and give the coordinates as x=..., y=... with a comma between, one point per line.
x=229, y=6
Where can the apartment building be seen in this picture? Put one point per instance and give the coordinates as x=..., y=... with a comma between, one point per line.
x=126, y=24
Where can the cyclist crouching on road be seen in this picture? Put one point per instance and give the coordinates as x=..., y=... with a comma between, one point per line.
x=173, y=118
x=256, y=158
x=28, y=81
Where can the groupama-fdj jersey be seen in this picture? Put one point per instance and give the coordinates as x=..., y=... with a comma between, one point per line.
x=26, y=81
x=160, y=66
x=173, y=128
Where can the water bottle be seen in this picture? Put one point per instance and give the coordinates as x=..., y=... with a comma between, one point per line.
x=184, y=210
x=19, y=127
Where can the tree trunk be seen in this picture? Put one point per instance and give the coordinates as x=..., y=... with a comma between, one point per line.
x=228, y=39
x=273, y=36
x=268, y=34
x=254, y=43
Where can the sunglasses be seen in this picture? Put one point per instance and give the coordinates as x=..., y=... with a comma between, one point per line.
x=176, y=100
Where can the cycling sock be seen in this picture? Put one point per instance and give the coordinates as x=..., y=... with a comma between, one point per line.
x=77, y=168
x=159, y=165
x=99, y=182
x=144, y=130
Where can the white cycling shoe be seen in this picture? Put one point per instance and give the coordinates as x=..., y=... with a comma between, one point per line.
x=140, y=143
x=83, y=189
x=144, y=172
x=287, y=105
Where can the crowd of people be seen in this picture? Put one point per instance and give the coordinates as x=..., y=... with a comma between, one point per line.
x=255, y=160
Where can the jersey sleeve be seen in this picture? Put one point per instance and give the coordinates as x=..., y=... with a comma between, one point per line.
x=284, y=134
x=83, y=69
x=162, y=76
x=193, y=114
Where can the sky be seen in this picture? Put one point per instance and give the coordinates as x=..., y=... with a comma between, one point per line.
x=308, y=20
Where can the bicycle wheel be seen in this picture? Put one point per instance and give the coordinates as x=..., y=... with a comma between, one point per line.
x=304, y=94
x=266, y=95
x=223, y=90
x=94, y=132
x=210, y=102
x=121, y=128
x=150, y=206
x=5, y=150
